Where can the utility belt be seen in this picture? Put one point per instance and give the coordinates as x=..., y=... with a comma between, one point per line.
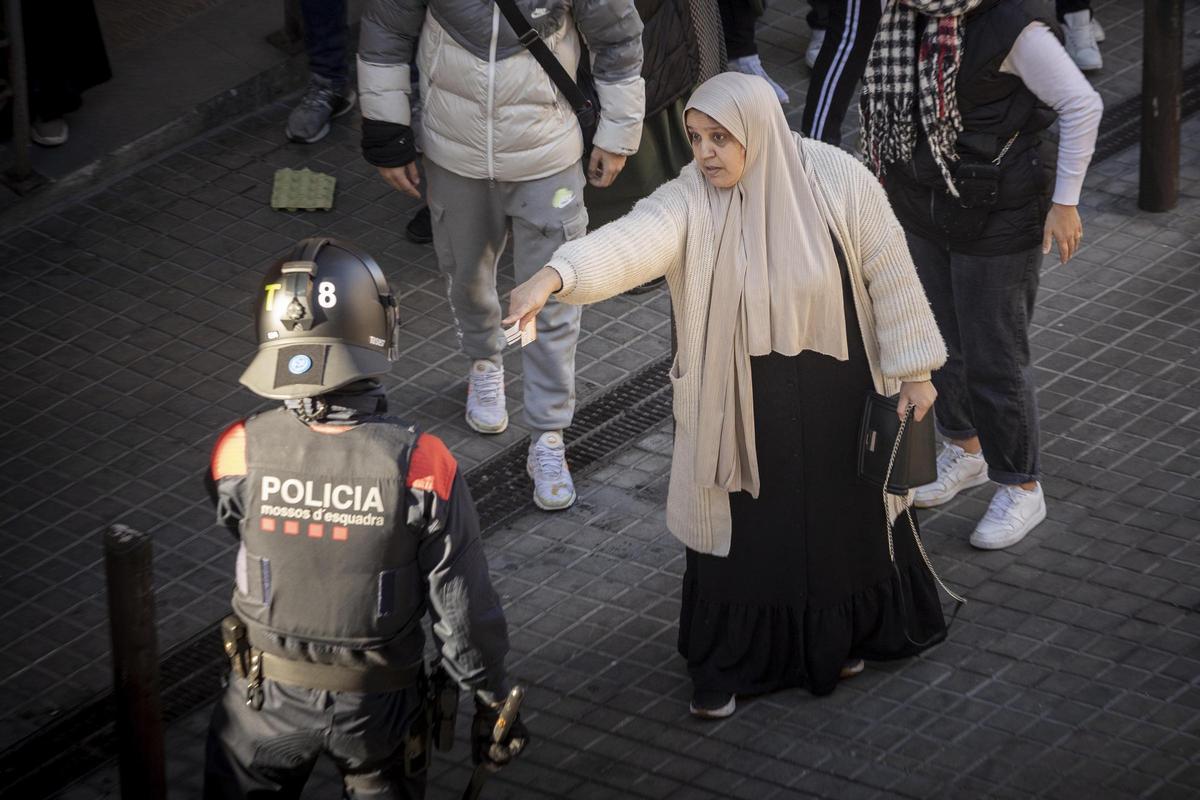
x=439, y=693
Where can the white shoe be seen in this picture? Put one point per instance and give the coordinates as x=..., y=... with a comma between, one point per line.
x=712, y=705
x=956, y=470
x=486, y=410
x=49, y=132
x=1012, y=513
x=1097, y=31
x=814, y=47
x=752, y=65
x=553, y=489
x=1081, y=41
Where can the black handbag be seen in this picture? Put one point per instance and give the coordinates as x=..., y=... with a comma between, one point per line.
x=896, y=456
x=586, y=111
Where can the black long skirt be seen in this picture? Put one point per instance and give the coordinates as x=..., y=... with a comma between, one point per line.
x=808, y=583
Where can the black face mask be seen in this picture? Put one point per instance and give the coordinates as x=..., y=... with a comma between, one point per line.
x=346, y=406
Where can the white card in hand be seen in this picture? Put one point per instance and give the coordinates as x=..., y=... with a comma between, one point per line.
x=515, y=333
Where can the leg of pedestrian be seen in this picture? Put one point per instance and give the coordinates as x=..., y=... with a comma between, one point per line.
x=818, y=24
x=1000, y=376
x=960, y=463
x=1081, y=32
x=838, y=66
x=329, y=93
x=469, y=236
x=737, y=19
x=545, y=213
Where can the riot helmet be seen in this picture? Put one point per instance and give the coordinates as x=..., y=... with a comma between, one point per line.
x=325, y=317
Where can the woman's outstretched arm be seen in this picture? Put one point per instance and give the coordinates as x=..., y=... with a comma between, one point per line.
x=643, y=245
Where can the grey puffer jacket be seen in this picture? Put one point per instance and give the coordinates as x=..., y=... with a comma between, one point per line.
x=490, y=110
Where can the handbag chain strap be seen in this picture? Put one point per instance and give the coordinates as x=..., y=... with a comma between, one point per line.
x=887, y=515
x=1007, y=147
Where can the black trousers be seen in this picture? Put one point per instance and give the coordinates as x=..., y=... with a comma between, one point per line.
x=983, y=306
x=270, y=753
x=325, y=38
x=737, y=20
x=850, y=30
x=1068, y=6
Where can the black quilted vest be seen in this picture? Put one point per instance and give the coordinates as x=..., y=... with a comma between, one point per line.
x=994, y=105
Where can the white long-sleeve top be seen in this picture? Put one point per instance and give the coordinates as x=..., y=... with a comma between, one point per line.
x=1041, y=62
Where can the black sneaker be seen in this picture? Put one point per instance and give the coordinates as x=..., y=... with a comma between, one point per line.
x=419, y=229
x=712, y=705
x=322, y=101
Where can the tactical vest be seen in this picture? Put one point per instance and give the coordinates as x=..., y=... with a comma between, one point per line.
x=994, y=106
x=327, y=570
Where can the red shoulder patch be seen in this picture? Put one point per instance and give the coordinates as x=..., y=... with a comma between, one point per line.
x=229, y=454
x=432, y=468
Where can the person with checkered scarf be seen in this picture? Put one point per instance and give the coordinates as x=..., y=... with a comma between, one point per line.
x=955, y=98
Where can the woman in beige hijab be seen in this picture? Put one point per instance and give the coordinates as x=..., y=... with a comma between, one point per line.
x=794, y=295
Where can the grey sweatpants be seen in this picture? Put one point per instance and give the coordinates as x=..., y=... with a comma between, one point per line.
x=471, y=219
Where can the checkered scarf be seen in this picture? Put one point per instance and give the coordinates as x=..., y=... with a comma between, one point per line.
x=889, y=130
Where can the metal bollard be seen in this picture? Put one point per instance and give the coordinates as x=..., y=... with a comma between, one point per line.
x=1162, y=86
x=128, y=567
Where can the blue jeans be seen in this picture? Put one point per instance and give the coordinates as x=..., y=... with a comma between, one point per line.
x=325, y=35
x=983, y=305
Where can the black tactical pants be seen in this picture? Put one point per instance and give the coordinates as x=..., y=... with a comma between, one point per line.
x=269, y=753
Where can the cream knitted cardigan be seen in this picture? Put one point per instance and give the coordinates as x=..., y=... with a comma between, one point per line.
x=671, y=233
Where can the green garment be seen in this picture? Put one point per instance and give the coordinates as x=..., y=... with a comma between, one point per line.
x=663, y=152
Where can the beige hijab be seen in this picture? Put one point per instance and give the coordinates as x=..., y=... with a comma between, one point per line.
x=776, y=284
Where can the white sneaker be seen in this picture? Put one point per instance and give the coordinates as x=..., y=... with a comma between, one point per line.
x=712, y=705
x=814, y=47
x=553, y=488
x=1097, y=31
x=1081, y=41
x=49, y=132
x=752, y=65
x=1012, y=513
x=956, y=470
x=486, y=410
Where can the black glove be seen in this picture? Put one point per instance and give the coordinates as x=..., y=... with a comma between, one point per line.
x=483, y=749
x=387, y=144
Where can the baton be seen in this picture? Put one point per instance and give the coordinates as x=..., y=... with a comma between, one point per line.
x=508, y=713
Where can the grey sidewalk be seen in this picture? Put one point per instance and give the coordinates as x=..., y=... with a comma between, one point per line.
x=127, y=325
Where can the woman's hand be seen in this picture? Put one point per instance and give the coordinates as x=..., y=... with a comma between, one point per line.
x=920, y=394
x=1064, y=226
x=528, y=299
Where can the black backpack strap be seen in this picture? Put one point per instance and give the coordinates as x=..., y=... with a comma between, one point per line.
x=533, y=43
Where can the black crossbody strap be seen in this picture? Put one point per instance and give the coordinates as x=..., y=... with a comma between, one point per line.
x=538, y=49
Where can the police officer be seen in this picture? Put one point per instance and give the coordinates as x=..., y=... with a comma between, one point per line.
x=352, y=525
